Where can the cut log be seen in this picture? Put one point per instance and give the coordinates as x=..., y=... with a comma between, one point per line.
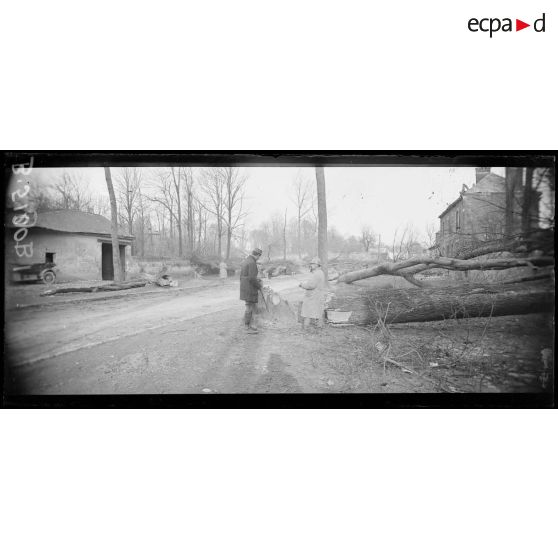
x=361, y=305
x=272, y=306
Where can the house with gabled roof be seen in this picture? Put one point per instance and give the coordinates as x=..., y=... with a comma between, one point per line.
x=78, y=243
x=479, y=215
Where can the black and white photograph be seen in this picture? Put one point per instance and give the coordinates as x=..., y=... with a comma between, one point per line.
x=279, y=279
x=244, y=279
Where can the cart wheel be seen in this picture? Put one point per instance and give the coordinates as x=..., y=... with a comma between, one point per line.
x=48, y=277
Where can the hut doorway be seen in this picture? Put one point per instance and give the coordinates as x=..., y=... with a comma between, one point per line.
x=107, y=269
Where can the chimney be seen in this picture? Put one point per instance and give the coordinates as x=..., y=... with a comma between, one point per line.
x=481, y=172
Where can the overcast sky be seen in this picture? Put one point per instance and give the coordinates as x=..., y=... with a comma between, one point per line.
x=384, y=198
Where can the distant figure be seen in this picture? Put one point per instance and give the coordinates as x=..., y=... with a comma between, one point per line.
x=223, y=271
x=314, y=299
x=250, y=286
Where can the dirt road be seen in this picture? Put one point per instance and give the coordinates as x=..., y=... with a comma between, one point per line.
x=193, y=341
x=177, y=343
x=35, y=334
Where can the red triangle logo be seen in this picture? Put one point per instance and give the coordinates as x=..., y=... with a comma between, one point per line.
x=519, y=25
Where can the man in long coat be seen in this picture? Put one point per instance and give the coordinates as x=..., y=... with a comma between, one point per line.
x=314, y=299
x=250, y=286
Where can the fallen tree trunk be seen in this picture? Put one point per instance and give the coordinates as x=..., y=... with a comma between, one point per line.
x=361, y=305
x=408, y=268
x=59, y=290
x=110, y=287
x=122, y=286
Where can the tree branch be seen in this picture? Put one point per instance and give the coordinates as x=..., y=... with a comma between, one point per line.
x=415, y=265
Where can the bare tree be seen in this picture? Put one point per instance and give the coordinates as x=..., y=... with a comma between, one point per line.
x=143, y=221
x=213, y=188
x=72, y=193
x=242, y=237
x=128, y=183
x=101, y=205
x=40, y=197
x=303, y=200
x=322, y=218
x=188, y=180
x=118, y=272
x=202, y=218
x=165, y=197
x=177, y=181
x=269, y=235
x=366, y=237
x=285, y=237
x=233, y=199
x=430, y=230
x=405, y=243
x=267, y=239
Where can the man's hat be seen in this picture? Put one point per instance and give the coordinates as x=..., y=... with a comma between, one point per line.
x=256, y=252
x=316, y=261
